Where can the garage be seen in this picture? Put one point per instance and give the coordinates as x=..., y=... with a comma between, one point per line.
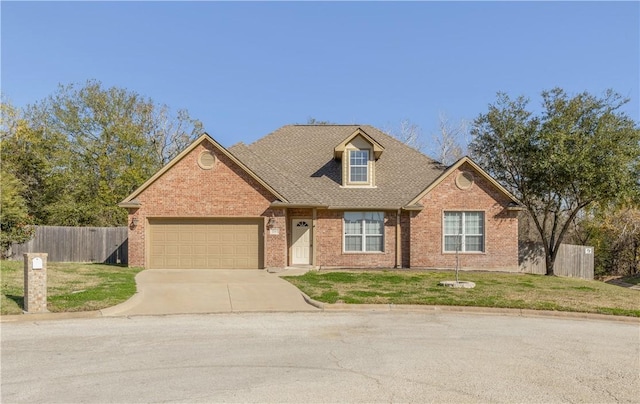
x=206, y=243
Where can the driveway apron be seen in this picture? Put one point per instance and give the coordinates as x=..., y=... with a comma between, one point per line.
x=173, y=291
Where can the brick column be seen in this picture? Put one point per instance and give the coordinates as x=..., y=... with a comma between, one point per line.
x=35, y=283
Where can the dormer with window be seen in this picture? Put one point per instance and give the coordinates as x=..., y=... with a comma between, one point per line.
x=358, y=154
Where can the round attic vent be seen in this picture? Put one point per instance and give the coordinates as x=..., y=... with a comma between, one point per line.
x=206, y=160
x=464, y=180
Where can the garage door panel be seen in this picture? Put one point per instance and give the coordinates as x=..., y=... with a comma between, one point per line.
x=199, y=261
x=205, y=243
x=212, y=237
x=200, y=249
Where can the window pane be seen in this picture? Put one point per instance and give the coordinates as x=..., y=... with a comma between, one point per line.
x=353, y=227
x=353, y=216
x=353, y=243
x=352, y=223
x=452, y=243
x=473, y=243
x=452, y=223
x=374, y=227
x=359, y=157
x=358, y=174
x=473, y=222
x=379, y=216
x=374, y=243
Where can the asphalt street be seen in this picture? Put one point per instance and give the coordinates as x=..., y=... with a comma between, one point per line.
x=320, y=357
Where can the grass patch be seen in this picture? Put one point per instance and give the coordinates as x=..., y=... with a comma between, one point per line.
x=70, y=286
x=523, y=291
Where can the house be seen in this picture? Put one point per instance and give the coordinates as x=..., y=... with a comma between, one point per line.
x=323, y=196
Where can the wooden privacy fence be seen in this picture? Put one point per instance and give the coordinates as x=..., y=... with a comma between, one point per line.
x=77, y=244
x=574, y=261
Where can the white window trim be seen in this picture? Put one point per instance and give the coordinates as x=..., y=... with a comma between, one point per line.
x=363, y=235
x=367, y=166
x=463, y=234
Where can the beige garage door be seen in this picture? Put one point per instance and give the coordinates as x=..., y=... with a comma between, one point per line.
x=205, y=243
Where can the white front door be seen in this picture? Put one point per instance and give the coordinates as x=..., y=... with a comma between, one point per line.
x=301, y=242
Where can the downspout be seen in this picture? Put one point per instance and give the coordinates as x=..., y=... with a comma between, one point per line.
x=398, y=241
x=314, y=220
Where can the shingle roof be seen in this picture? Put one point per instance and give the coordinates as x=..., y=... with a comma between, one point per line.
x=298, y=162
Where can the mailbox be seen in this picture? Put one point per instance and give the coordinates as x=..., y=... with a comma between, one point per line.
x=36, y=263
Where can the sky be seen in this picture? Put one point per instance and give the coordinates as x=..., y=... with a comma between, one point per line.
x=247, y=68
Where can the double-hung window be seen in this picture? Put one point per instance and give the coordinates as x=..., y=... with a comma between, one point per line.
x=359, y=166
x=364, y=232
x=464, y=231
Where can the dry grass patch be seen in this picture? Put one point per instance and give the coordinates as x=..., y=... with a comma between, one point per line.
x=522, y=291
x=70, y=286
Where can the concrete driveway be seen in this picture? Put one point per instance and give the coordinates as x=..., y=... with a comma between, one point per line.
x=173, y=291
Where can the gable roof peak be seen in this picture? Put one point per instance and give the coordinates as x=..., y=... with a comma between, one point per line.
x=128, y=202
x=340, y=148
x=478, y=169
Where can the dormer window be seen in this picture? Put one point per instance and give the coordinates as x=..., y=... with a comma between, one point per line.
x=359, y=166
x=358, y=153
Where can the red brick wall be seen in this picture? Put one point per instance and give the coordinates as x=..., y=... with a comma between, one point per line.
x=329, y=231
x=501, y=226
x=186, y=190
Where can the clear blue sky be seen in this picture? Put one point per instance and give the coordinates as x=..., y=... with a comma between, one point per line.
x=246, y=68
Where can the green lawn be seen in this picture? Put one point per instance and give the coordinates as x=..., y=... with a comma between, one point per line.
x=70, y=286
x=522, y=291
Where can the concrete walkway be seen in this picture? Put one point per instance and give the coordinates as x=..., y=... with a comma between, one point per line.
x=166, y=291
x=618, y=282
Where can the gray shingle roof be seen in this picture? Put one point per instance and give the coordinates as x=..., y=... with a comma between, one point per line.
x=298, y=162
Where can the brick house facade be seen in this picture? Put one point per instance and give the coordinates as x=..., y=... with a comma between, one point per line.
x=352, y=197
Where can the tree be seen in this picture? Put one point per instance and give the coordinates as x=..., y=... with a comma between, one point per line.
x=446, y=144
x=14, y=218
x=85, y=148
x=29, y=155
x=578, y=152
x=313, y=121
x=408, y=133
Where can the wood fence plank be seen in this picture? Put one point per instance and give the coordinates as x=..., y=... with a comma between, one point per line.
x=77, y=244
x=575, y=261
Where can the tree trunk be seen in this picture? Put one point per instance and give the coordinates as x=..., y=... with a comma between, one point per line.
x=549, y=263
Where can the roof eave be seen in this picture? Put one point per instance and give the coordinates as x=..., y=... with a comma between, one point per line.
x=134, y=204
x=280, y=204
x=417, y=207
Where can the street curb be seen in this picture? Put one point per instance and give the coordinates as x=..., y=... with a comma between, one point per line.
x=344, y=307
x=26, y=317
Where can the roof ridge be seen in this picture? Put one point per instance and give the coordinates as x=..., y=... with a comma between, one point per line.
x=325, y=124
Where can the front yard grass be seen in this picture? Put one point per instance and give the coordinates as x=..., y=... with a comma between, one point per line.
x=522, y=291
x=70, y=286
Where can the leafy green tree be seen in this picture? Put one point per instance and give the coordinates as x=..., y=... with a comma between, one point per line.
x=579, y=151
x=84, y=148
x=28, y=155
x=14, y=217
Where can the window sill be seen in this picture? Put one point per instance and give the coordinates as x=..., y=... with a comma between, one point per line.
x=358, y=186
x=363, y=252
x=465, y=252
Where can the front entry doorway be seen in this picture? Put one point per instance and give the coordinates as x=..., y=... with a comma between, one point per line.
x=301, y=242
